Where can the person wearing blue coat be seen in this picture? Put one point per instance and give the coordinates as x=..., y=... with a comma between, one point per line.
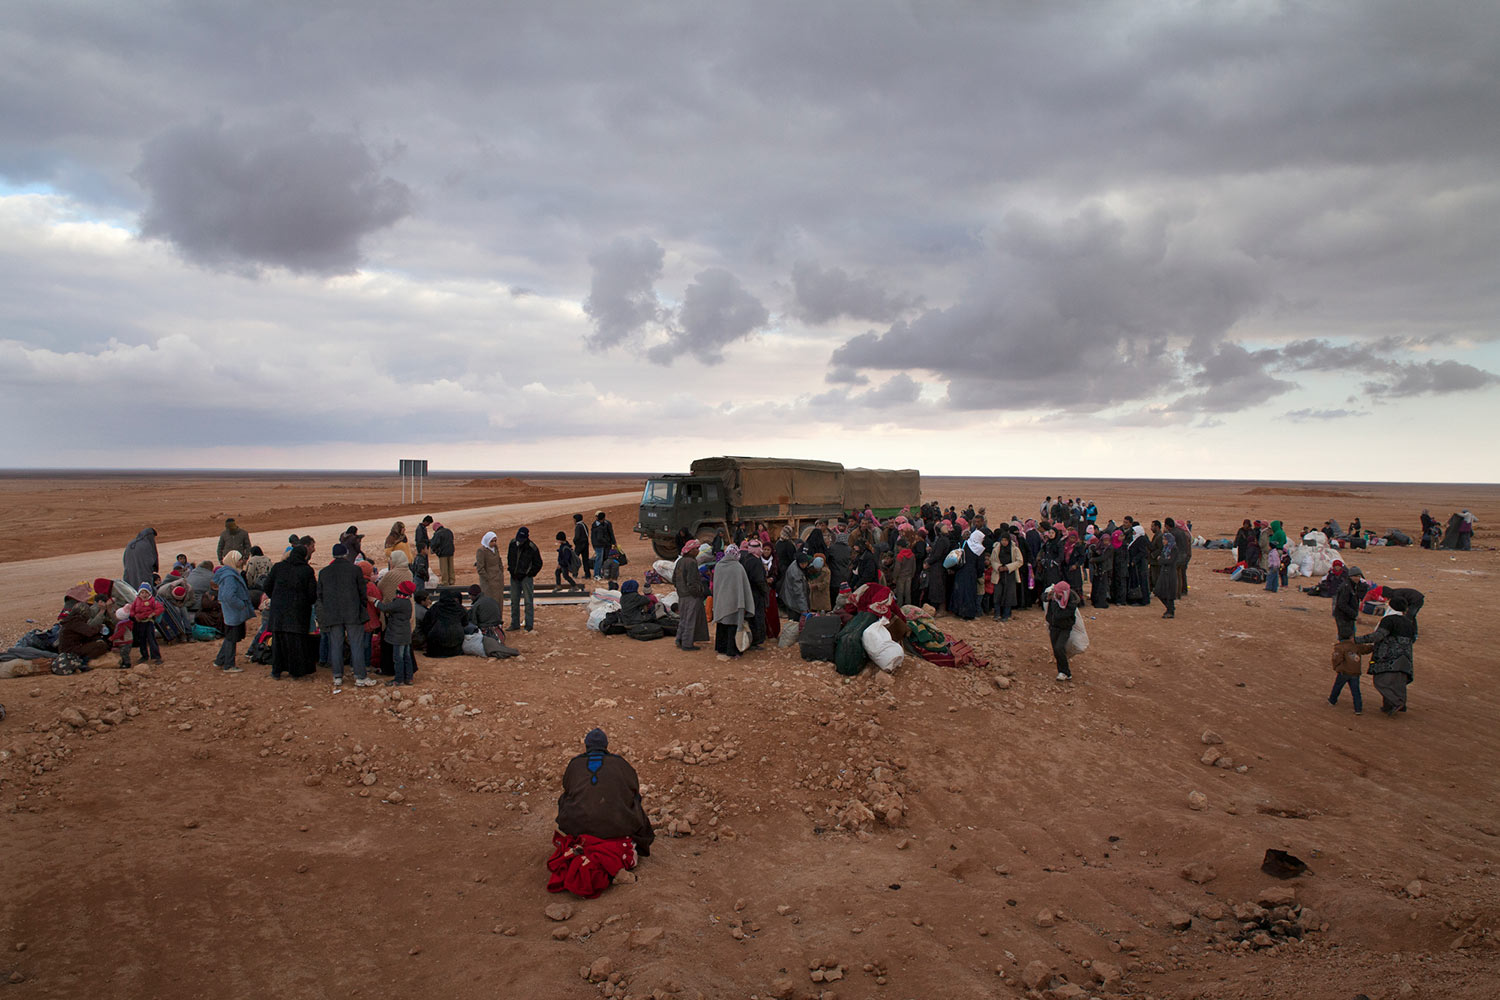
x=234, y=601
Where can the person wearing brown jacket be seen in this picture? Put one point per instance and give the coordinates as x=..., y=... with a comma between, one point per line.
x=490, y=567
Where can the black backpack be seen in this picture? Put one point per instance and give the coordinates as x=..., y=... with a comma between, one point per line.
x=646, y=631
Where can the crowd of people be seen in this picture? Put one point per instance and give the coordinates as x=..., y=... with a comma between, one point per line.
x=365, y=605
x=957, y=562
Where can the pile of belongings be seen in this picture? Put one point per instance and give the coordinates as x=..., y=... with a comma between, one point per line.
x=639, y=615
x=33, y=653
x=1314, y=557
x=873, y=633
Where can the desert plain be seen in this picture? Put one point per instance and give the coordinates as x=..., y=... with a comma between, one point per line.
x=931, y=833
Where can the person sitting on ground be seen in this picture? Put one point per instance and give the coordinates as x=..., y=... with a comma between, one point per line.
x=1392, y=664
x=232, y=539
x=421, y=604
x=86, y=625
x=484, y=611
x=442, y=628
x=635, y=607
x=602, y=825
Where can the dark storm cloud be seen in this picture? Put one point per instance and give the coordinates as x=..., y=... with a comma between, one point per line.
x=823, y=295
x=1074, y=313
x=840, y=375
x=1424, y=378
x=249, y=197
x=622, y=294
x=716, y=311
x=1232, y=379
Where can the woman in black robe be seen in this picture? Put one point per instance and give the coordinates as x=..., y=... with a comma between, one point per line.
x=937, y=577
x=1119, y=554
x=1165, y=589
x=1074, y=555
x=1051, y=559
x=1137, y=573
x=292, y=588
x=1101, y=571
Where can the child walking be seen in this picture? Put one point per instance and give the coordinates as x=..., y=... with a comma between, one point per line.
x=397, y=613
x=144, y=611
x=1273, y=574
x=566, y=560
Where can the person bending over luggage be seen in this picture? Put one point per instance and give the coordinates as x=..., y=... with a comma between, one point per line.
x=484, y=611
x=602, y=825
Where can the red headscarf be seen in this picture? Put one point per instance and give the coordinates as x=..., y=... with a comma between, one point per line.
x=1060, y=593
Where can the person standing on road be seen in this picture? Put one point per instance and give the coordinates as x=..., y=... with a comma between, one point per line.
x=232, y=539
x=602, y=537
x=140, y=558
x=581, y=546
x=524, y=561
x=442, y=547
x=341, y=615
x=424, y=536
x=489, y=567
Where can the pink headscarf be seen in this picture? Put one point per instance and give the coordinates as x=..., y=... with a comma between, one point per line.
x=1117, y=539
x=1060, y=592
x=963, y=525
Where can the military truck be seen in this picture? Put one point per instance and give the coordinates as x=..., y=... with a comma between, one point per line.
x=719, y=492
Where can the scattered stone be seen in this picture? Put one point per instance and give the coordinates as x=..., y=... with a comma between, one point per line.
x=395, y=797
x=1036, y=975
x=1277, y=895
x=1180, y=920
x=1210, y=756
x=644, y=937
x=1045, y=918
x=602, y=967
x=1212, y=911
x=369, y=778
x=1197, y=801
x=312, y=780
x=73, y=717
x=783, y=988
x=1200, y=872
x=1414, y=889
x=561, y=933
x=416, y=950
x=190, y=824
x=1067, y=991
x=559, y=911
x=1211, y=738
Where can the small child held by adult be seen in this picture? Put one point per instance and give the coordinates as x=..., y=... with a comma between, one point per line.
x=398, y=613
x=144, y=611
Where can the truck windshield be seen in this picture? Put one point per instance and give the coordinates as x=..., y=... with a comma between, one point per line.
x=658, y=491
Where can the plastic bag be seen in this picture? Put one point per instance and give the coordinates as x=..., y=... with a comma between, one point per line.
x=474, y=645
x=597, y=614
x=743, y=637
x=881, y=648
x=789, y=633
x=1078, y=638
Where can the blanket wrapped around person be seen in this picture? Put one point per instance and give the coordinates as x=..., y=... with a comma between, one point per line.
x=585, y=865
x=602, y=825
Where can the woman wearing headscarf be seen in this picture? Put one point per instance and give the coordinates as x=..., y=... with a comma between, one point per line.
x=1137, y=571
x=760, y=588
x=904, y=567
x=442, y=628
x=772, y=615
x=394, y=577
x=490, y=567
x=396, y=541
x=1166, y=580
x=786, y=547
x=1276, y=539
x=1062, y=614
x=293, y=589
x=1005, y=567
x=734, y=601
x=140, y=560
x=965, y=599
x=819, y=585
x=1101, y=570
x=1072, y=561
x=235, y=606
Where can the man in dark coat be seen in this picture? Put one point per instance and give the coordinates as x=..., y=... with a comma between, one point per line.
x=1414, y=599
x=1184, y=554
x=692, y=627
x=293, y=590
x=581, y=545
x=442, y=547
x=1346, y=602
x=601, y=797
x=140, y=558
x=524, y=561
x=760, y=589
x=424, y=539
x=441, y=629
x=233, y=539
x=342, y=611
x=840, y=561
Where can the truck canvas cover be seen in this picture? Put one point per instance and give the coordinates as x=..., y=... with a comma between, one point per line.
x=756, y=482
x=882, y=489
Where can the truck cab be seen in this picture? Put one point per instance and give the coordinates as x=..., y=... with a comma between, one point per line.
x=673, y=502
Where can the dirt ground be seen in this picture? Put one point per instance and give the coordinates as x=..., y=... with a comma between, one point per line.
x=197, y=834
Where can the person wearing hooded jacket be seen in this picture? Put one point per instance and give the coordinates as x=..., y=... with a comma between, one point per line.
x=141, y=562
x=491, y=569
x=524, y=561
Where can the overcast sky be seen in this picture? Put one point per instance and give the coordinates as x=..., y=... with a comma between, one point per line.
x=1242, y=240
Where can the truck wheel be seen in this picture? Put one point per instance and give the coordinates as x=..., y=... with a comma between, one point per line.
x=706, y=532
x=665, y=548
